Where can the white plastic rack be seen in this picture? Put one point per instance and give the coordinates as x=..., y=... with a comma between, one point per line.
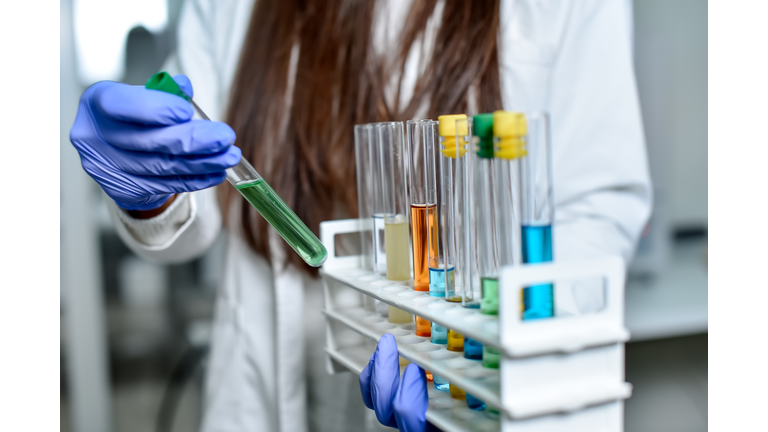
x=565, y=373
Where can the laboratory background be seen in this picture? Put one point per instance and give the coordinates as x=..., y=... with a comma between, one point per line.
x=135, y=335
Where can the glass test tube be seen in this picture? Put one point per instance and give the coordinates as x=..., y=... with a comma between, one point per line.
x=537, y=210
x=394, y=197
x=487, y=256
x=423, y=211
x=456, y=344
x=369, y=201
x=266, y=201
x=440, y=262
x=440, y=267
x=422, y=200
x=394, y=200
x=486, y=237
x=258, y=192
x=364, y=191
x=465, y=216
x=455, y=209
x=378, y=200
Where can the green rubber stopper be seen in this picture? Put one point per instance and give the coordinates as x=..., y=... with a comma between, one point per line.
x=164, y=82
x=482, y=127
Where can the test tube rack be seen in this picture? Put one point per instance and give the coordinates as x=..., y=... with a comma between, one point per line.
x=559, y=374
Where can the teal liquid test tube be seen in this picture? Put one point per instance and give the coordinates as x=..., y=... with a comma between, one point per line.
x=258, y=192
x=522, y=145
x=537, y=208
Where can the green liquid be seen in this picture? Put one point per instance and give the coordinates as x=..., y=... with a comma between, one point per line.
x=264, y=199
x=490, y=292
x=491, y=357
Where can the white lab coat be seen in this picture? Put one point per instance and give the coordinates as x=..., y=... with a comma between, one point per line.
x=572, y=58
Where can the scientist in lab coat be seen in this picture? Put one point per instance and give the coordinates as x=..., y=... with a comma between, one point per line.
x=284, y=82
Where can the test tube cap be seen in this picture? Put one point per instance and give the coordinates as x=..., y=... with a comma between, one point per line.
x=164, y=82
x=447, y=125
x=509, y=124
x=482, y=127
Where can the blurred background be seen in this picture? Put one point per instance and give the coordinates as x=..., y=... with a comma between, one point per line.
x=132, y=333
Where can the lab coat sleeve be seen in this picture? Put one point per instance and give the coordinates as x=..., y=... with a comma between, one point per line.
x=602, y=187
x=189, y=226
x=184, y=231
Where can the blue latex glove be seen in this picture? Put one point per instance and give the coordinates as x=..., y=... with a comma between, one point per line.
x=397, y=404
x=142, y=146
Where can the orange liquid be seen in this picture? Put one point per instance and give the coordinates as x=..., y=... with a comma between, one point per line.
x=429, y=375
x=423, y=327
x=424, y=219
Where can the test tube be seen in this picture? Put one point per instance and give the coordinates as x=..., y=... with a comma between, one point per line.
x=394, y=200
x=371, y=243
x=378, y=200
x=487, y=256
x=394, y=197
x=422, y=197
x=456, y=344
x=364, y=186
x=258, y=192
x=537, y=210
x=440, y=261
x=423, y=211
x=454, y=210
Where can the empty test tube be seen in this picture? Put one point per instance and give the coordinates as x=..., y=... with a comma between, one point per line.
x=455, y=210
x=258, y=193
x=364, y=191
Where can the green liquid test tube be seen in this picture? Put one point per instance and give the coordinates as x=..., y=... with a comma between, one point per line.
x=258, y=193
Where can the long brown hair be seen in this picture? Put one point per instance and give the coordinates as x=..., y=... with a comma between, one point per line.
x=302, y=141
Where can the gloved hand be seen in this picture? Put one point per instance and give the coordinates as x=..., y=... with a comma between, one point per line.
x=397, y=404
x=142, y=146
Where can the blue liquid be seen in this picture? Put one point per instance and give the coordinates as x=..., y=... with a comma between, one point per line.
x=439, y=334
x=437, y=281
x=473, y=349
x=440, y=383
x=537, y=248
x=474, y=403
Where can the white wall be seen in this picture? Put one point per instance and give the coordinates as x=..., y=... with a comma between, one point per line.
x=671, y=65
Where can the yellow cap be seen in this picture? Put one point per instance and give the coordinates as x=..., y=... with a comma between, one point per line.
x=447, y=125
x=510, y=128
x=509, y=124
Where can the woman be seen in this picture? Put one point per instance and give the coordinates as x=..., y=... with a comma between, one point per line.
x=291, y=78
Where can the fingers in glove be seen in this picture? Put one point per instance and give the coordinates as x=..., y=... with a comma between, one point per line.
x=365, y=383
x=161, y=164
x=185, y=84
x=151, y=203
x=129, y=188
x=410, y=404
x=193, y=137
x=385, y=379
x=136, y=104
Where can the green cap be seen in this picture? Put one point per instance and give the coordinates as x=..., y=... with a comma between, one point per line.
x=164, y=82
x=482, y=127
